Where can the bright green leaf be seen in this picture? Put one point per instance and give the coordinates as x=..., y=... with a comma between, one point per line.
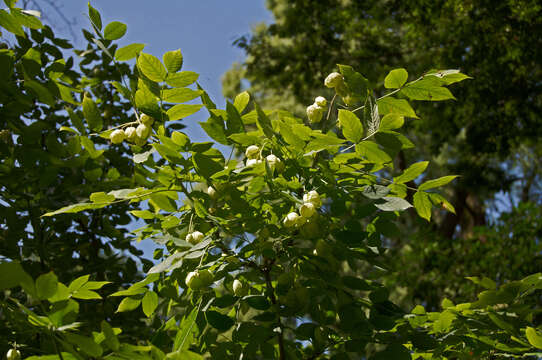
x=46, y=285
x=128, y=52
x=411, y=173
x=173, y=61
x=151, y=67
x=114, y=30
x=149, y=302
x=422, y=204
x=437, y=182
x=395, y=79
x=350, y=125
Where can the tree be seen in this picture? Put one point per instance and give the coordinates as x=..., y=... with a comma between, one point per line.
x=51, y=158
x=488, y=136
x=261, y=250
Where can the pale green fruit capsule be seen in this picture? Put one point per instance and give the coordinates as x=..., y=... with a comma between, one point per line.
x=252, y=162
x=307, y=210
x=312, y=197
x=212, y=192
x=275, y=163
x=291, y=219
x=252, y=152
x=130, y=133
x=238, y=288
x=320, y=101
x=117, y=136
x=147, y=120
x=143, y=131
x=333, y=80
x=189, y=238
x=206, y=277
x=315, y=113
x=197, y=236
x=13, y=354
x=300, y=221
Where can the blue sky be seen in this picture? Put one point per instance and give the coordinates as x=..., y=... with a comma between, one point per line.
x=204, y=31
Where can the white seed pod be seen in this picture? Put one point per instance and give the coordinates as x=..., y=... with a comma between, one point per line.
x=307, y=210
x=143, y=131
x=117, y=136
x=252, y=162
x=147, y=120
x=320, y=101
x=13, y=354
x=189, y=238
x=238, y=288
x=212, y=192
x=333, y=80
x=252, y=152
x=130, y=133
x=312, y=197
x=197, y=236
x=315, y=113
x=290, y=219
x=275, y=163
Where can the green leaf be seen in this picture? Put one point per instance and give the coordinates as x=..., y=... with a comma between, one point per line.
x=85, y=344
x=264, y=123
x=151, y=67
x=86, y=295
x=128, y=304
x=110, y=337
x=182, y=110
x=30, y=21
x=8, y=22
x=142, y=157
x=163, y=202
x=173, y=61
x=12, y=274
x=185, y=330
x=42, y=93
x=371, y=151
x=391, y=105
x=181, y=79
x=437, y=182
x=395, y=79
x=258, y=302
x=205, y=165
x=233, y=121
x=356, y=83
x=411, y=173
x=101, y=197
x=149, y=302
x=393, y=204
x=114, y=30
x=219, y=321
x=391, y=122
x=485, y=282
x=78, y=283
x=92, y=114
x=128, y=52
x=351, y=126
x=46, y=285
x=427, y=89
x=534, y=338
x=180, y=95
x=241, y=101
x=95, y=17
x=423, y=205
x=375, y=191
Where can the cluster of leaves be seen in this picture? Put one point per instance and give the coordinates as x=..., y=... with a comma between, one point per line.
x=275, y=291
x=490, y=136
